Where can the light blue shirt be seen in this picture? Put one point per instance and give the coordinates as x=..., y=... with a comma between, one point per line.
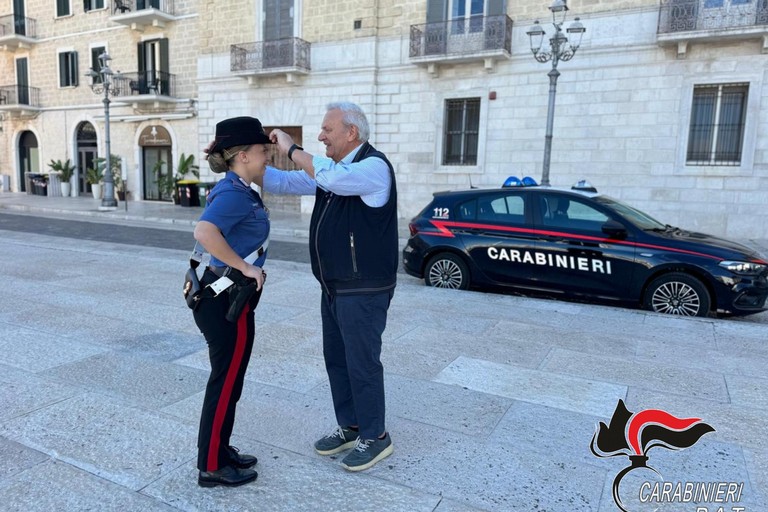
x=368, y=179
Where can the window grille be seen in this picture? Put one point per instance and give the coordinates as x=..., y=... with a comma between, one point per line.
x=461, y=129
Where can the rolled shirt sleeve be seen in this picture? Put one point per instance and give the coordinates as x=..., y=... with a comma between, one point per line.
x=288, y=182
x=368, y=178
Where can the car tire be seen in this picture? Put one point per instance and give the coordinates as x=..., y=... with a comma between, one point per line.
x=447, y=270
x=677, y=294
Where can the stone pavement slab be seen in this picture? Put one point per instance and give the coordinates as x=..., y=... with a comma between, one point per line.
x=559, y=391
x=55, y=485
x=493, y=399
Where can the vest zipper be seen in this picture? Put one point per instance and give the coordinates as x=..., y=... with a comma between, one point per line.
x=317, y=239
x=354, y=256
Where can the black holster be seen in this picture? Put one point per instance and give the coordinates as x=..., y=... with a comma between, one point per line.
x=193, y=290
x=239, y=294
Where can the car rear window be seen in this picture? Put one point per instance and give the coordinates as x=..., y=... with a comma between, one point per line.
x=507, y=209
x=468, y=210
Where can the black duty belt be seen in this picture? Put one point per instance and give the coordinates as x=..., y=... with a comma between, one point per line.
x=224, y=271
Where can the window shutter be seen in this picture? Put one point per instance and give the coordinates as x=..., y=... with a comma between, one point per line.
x=437, y=10
x=164, y=55
x=142, y=61
x=163, y=78
x=75, y=74
x=496, y=7
x=62, y=70
x=271, y=20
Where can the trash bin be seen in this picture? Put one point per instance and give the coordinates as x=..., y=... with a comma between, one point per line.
x=189, y=194
x=204, y=188
x=39, y=184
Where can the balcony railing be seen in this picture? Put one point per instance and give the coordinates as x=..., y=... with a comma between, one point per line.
x=270, y=57
x=145, y=83
x=17, y=96
x=128, y=6
x=476, y=36
x=17, y=32
x=677, y=16
x=19, y=25
x=138, y=14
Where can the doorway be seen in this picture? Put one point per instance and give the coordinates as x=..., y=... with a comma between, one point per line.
x=87, y=149
x=156, y=154
x=156, y=161
x=29, y=157
x=286, y=202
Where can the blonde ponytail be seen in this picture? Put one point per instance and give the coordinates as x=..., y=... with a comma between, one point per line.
x=219, y=162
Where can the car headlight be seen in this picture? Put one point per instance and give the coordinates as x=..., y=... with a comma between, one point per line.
x=749, y=268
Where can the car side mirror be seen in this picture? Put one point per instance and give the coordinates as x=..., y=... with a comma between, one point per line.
x=614, y=229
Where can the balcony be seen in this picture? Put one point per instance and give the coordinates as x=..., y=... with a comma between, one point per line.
x=19, y=100
x=684, y=21
x=17, y=32
x=289, y=56
x=475, y=39
x=151, y=88
x=139, y=14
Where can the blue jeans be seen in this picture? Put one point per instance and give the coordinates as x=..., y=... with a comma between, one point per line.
x=352, y=329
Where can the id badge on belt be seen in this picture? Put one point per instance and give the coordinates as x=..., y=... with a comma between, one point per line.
x=220, y=285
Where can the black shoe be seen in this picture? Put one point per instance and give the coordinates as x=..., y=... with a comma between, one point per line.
x=240, y=460
x=227, y=476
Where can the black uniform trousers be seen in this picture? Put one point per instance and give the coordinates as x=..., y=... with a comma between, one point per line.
x=229, y=350
x=352, y=329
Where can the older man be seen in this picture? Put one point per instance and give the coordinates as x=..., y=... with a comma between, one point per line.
x=354, y=254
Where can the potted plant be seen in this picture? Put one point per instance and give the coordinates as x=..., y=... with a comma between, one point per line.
x=189, y=196
x=66, y=170
x=117, y=173
x=186, y=166
x=166, y=183
x=93, y=177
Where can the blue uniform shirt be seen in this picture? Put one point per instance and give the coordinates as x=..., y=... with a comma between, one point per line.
x=239, y=213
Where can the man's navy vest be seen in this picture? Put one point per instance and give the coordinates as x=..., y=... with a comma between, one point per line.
x=353, y=247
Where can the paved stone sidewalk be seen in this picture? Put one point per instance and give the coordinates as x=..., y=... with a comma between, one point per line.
x=492, y=400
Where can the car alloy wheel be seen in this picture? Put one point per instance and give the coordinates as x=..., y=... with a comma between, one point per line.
x=677, y=294
x=447, y=271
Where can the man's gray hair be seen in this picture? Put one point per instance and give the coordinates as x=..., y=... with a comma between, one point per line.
x=353, y=116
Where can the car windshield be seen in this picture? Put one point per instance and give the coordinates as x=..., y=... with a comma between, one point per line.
x=636, y=217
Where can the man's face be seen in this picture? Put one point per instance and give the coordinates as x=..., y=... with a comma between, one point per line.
x=339, y=140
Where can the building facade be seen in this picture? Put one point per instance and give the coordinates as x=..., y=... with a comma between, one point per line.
x=50, y=111
x=662, y=106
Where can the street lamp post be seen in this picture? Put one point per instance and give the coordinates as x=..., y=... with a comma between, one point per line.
x=108, y=201
x=559, y=50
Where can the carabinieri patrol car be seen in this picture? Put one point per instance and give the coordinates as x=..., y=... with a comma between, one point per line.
x=579, y=244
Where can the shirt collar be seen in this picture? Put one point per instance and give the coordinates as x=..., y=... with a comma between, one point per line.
x=232, y=175
x=352, y=154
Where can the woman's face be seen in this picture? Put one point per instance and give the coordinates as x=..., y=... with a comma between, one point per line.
x=257, y=159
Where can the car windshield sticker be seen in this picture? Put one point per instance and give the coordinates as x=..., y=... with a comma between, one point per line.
x=441, y=213
x=550, y=260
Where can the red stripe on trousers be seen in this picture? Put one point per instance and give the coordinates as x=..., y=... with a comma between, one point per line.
x=226, y=392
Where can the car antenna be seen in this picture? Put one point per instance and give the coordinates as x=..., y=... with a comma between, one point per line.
x=470, y=181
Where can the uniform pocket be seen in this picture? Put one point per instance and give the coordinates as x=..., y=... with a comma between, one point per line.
x=352, y=249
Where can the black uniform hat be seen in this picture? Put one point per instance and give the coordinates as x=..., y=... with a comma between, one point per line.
x=238, y=131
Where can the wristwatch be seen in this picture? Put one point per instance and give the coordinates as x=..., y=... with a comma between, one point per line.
x=293, y=148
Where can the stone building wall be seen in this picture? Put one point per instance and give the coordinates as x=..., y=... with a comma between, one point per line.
x=62, y=109
x=622, y=112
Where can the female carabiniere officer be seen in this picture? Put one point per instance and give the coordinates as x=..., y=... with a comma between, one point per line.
x=234, y=225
